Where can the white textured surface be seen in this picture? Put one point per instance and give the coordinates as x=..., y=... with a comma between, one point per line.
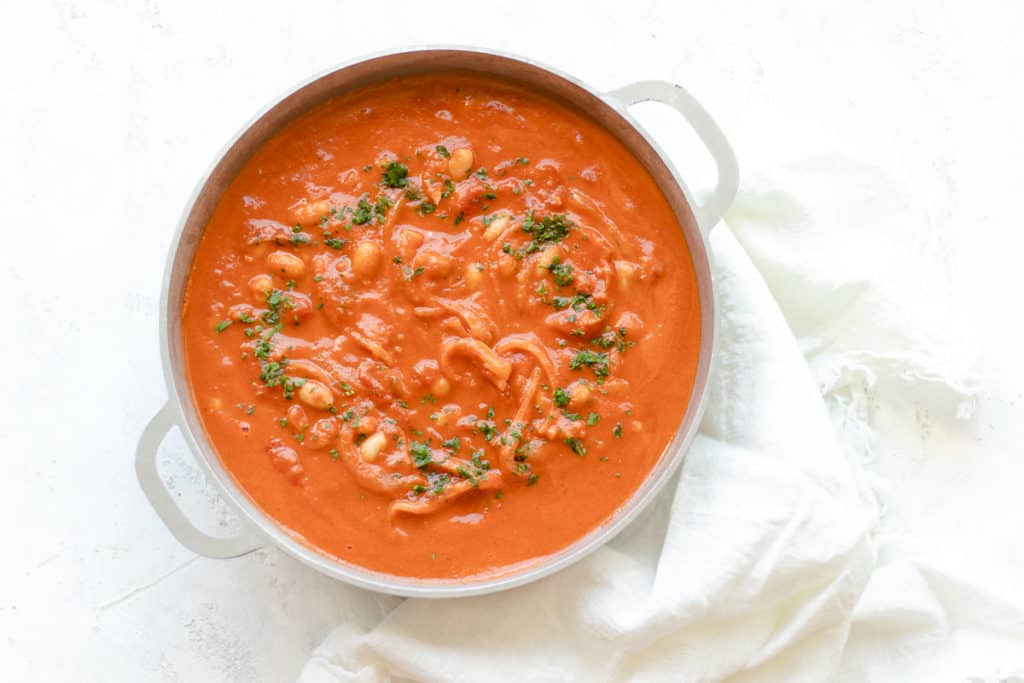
x=114, y=109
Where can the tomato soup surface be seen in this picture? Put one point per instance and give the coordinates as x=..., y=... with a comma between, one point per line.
x=441, y=326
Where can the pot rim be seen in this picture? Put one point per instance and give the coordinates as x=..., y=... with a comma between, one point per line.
x=179, y=394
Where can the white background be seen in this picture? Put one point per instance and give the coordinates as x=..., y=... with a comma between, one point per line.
x=113, y=110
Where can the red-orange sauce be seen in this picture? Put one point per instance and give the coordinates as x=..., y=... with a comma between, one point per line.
x=441, y=325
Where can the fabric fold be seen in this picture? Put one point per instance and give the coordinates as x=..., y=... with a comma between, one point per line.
x=759, y=561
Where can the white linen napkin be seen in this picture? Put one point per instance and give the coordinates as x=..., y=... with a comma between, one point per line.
x=761, y=561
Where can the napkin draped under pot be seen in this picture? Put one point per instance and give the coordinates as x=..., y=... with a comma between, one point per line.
x=762, y=560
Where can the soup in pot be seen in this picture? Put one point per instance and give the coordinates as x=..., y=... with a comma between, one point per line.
x=441, y=326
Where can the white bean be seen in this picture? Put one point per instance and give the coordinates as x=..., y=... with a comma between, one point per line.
x=435, y=264
x=367, y=425
x=474, y=275
x=261, y=284
x=547, y=257
x=310, y=212
x=316, y=395
x=507, y=265
x=372, y=446
x=496, y=227
x=286, y=263
x=579, y=395
x=625, y=273
x=366, y=258
x=460, y=163
x=441, y=387
x=297, y=417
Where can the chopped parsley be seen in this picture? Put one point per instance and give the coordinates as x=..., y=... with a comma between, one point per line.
x=578, y=302
x=272, y=374
x=604, y=341
x=562, y=272
x=363, y=213
x=608, y=339
x=576, y=445
x=438, y=482
x=597, y=362
x=593, y=419
x=453, y=444
x=449, y=189
x=546, y=230
x=617, y=430
x=223, y=325
x=381, y=206
x=561, y=397
x=478, y=461
x=443, y=151
x=622, y=344
x=464, y=473
x=334, y=243
x=421, y=456
x=488, y=430
x=395, y=175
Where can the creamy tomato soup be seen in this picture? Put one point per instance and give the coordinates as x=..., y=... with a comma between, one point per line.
x=441, y=326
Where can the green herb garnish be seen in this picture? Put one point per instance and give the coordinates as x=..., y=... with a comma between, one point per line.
x=421, y=456
x=576, y=445
x=562, y=272
x=395, y=175
x=546, y=230
x=561, y=397
x=597, y=362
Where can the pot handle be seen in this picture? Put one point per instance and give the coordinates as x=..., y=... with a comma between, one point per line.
x=160, y=498
x=710, y=212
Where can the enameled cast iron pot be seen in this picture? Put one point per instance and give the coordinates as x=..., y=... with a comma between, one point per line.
x=608, y=109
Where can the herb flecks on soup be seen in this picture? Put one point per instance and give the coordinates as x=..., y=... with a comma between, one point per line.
x=441, y=326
